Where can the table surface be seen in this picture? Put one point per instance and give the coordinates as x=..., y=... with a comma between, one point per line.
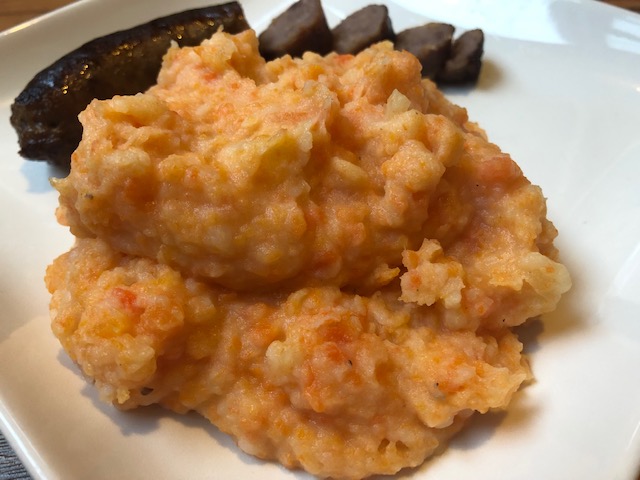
x=13, y=12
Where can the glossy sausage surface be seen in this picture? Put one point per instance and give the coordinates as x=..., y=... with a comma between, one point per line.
x=122, y=63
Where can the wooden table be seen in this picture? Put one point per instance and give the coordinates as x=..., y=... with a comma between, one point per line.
x=13, y=12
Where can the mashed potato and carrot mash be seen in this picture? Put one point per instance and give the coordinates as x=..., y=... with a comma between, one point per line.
x=322, y=256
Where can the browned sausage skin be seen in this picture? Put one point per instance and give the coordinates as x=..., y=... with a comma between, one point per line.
x=123, y=63
x=362, y=29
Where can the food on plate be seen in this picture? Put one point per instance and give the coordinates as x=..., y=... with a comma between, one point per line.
x=362, y=29
x=321, y=255
x=465, y=61
x=44, y=114
x=190, y=210
x=301, y=27
x=341, y=385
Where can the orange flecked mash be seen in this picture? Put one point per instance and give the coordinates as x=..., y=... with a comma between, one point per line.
x=322, y=256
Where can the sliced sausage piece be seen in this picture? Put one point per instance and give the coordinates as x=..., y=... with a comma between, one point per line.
x=466, y=59
x=302, y=27
x=430, y=43
x=45, y=113
x=363, y=28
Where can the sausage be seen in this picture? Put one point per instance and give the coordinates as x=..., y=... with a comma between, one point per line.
x=466, y=59
x=430, y=43
x=45, y=113
x=302, y=27
x=363, y=28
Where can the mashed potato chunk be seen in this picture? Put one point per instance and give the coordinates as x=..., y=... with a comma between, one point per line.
x=339, y=384
x=323, y=256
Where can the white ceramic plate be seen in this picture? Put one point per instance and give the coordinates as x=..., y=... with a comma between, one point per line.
x=560, y=91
